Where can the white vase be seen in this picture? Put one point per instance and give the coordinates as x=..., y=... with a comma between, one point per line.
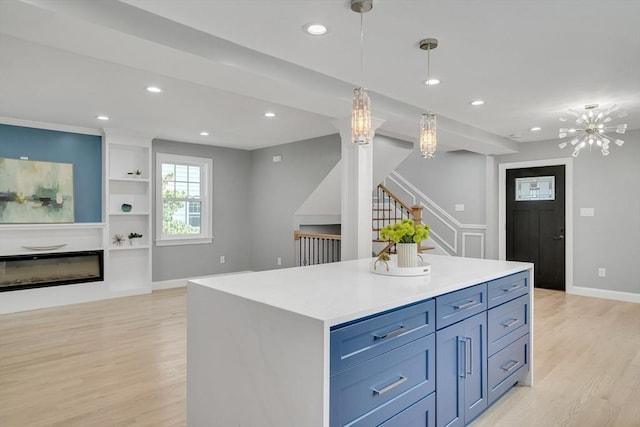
x=407, y=254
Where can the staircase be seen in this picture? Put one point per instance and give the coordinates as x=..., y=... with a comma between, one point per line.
x=389, y=209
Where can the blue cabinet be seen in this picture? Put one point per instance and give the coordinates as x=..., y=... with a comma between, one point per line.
x=439, y=362
x=461, y=375
x=383, y=369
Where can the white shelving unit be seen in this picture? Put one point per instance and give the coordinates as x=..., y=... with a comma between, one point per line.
x=128, y=267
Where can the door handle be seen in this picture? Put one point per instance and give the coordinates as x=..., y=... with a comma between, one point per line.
x=559, y=237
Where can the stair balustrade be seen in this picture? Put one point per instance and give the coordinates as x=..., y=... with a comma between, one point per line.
x=315, y=248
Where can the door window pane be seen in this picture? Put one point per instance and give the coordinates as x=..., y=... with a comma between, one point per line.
x=535, y=188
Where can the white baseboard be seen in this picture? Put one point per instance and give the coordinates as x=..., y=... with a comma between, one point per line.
x=178, y=283
x=603, y=293
x=169, y=284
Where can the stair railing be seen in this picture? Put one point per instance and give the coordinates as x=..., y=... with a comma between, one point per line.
x=316, y=248
x=389, y=209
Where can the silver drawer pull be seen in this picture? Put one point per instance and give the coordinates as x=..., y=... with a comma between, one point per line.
x=510, y=366
x=389, y=387
x=510, y=323
x=512, y=288
x=383, y=335
x=465, y=305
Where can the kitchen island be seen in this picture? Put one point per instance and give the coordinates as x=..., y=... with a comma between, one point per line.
x=334, y=344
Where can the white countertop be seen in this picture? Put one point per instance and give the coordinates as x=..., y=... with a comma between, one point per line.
x=340, y=292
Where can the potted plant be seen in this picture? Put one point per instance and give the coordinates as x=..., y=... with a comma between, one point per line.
x=407, y=236
x=133, y=238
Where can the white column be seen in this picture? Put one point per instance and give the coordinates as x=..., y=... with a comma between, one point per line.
x=357, y=191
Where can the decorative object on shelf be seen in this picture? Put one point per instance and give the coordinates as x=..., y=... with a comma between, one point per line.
x=126, y=207
x=118, y=239
x=138, y=173
x=407, y=236
x=45, y=248
x=591, y=128
x=361, y=114
x=133, y=238
x=428, y=140
x=35, y=192
x=135, y=174
x=383, y=257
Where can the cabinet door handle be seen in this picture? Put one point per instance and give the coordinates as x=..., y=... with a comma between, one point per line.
x=462, y=358
x=469, y=349
x=377, y=390
x=389, y=334
x=510, y=323
x=464, y=305
x=512, y=288
x=509, y=366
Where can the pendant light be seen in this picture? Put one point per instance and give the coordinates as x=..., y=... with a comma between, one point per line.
x=428, y=140
x=361, y=114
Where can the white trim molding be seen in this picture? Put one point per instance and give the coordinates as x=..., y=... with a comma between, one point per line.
x=568, y=204
x=49, y=126
x=464, y=242
x=606, y=294
x=447, y=231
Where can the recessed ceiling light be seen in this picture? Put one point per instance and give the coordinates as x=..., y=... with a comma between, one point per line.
x=315, y=29
x=204, y=133
x=432, y=82
x=269, y=114
x=154, y=89
x=477, y=102
x=535, y=129
x=101, y=117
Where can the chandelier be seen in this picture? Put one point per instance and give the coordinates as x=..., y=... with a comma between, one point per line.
x=591, y=127
x=428, y=140
x=361, y=114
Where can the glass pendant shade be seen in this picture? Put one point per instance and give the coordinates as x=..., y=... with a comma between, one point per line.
x=591, y=129
x=428, y=140
x=361, y=117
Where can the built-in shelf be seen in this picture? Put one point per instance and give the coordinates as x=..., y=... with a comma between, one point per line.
x=130, y=179
x=128, y=247
x=128, y=266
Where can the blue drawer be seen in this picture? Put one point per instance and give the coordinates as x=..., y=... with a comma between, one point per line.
x=506, y=323
x=456, y=306
x=422, y=414
x=507, y=367
x=384, y=385
x=360, y=341
x=507, y=288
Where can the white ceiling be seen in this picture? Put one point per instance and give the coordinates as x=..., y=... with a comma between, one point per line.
x=223, y=63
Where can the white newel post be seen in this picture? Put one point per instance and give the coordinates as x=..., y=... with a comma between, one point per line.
x=357, y=190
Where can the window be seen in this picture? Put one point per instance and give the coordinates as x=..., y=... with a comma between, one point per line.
x=183, y=200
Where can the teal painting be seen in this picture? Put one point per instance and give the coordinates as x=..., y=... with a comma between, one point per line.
x=34, y=192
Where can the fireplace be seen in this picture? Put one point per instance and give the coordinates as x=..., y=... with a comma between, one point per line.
x=50, y=269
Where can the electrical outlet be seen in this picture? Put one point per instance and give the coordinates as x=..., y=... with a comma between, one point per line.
x=602, y=272
x=223, y=259
x=279, y=261
x=459, y=207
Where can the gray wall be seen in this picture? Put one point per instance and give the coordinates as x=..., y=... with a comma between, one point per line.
x=279, y=189
x=451, y=178
x=231, y=216
x=610, y=185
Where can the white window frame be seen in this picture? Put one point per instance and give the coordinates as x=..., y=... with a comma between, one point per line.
x=206, y=194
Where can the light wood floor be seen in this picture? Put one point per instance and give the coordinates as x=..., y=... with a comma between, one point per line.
x=122, y=363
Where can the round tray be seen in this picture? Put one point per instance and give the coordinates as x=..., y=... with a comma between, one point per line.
x=422, y=269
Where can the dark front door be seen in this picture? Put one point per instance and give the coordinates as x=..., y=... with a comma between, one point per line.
x=536, y=222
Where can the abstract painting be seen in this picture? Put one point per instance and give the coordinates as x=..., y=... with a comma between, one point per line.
x=35, y=192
